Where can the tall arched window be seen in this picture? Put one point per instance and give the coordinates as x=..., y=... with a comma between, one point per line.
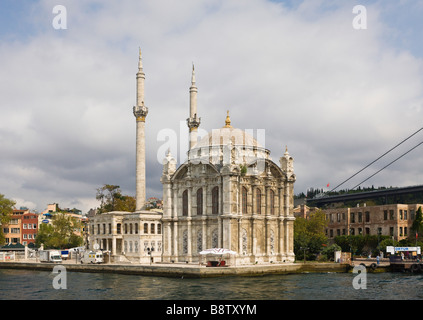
x=272, y=202
x=215, y=200
x=200, y=201
x=185, y=203
x=258, y=201
x=244, y=200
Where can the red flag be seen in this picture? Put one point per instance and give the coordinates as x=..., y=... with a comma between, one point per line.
x=417, y=235
x=327, y=185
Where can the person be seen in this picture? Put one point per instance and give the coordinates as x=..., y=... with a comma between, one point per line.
x=377, y=259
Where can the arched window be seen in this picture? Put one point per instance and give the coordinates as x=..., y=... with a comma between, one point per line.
x=159, y=228
x=200, y=201
x=136, y=228
x=152, y=228
x=258, y=201
x=272, y=202
x=215, y=200
x=185, y=203
x=244, y=200
x=145, y=228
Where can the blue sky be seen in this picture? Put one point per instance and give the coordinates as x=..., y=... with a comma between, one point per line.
x=338, y=97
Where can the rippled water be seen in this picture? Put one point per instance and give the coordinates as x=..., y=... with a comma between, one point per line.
x=32, y=285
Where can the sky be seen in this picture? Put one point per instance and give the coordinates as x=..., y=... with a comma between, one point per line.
x=338, y=86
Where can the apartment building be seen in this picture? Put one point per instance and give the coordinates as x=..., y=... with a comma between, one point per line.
x=393, y=220
x=29, y=223
x=22, y=227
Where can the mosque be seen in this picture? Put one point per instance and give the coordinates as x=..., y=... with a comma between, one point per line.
x=227, y=194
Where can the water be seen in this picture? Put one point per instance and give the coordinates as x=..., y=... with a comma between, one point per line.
x=36, y=285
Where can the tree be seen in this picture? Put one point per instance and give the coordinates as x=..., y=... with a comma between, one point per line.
x=6, y=211
x=111, y=199
x=310, y=233
x=60, y=234
x=328, y=252
x=359, y=244
x=417, y=226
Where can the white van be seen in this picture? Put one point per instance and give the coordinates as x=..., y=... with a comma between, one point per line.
x=50, y=256
x=92, y=257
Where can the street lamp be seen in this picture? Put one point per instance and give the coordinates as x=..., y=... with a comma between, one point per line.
x=304, y=248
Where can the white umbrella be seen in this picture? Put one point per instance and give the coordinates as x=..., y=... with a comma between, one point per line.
x=217, y=251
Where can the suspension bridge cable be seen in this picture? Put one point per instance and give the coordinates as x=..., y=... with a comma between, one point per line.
x=377, y=159
x=388, y=165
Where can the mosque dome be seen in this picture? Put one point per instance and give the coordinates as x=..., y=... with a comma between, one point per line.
x=228, y=143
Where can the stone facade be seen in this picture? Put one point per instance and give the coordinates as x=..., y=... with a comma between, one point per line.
x=391, y=220
x=134, y=237
x=228, y=194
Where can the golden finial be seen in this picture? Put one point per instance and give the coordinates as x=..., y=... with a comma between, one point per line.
x=228, y=121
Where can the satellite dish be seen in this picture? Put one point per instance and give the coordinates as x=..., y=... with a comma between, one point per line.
x=96, y=246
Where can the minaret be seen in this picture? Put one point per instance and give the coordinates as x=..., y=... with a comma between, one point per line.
x=140, y=113
x=193, y=121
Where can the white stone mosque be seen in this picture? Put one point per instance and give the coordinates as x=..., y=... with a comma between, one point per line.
x=227, y=194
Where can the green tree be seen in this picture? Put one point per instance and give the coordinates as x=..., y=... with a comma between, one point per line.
x=6, y=211
x=310, y=233
x=328, y=252
x=417, y=226
x=60, y=234
x=111, y=199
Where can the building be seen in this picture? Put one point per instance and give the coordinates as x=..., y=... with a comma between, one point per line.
x=29, y=229
x=22, y=227
x=228, y=194
x=131, y=236
x=13, y=230
x=393, y=220
x=47, y=216
x=128, y=236
x=304, y=211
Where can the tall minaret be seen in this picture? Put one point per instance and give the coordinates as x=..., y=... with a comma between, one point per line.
x=193, y=121
x=140, y=113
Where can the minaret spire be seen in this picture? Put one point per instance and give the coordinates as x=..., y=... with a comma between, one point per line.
x=140, y=112
x=193, y=121
x=140, y=81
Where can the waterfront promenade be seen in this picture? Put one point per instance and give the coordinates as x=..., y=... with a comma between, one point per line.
x=182, y=269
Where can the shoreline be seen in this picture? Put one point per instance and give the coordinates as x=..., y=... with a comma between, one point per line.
x=183, y=270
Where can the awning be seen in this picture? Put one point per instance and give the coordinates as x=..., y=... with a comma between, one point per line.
x=13, y=247
x=217, y=251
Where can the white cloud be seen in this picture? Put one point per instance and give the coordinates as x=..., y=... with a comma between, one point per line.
x=338, y=97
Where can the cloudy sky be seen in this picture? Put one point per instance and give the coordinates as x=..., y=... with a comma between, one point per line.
x=337, y=95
